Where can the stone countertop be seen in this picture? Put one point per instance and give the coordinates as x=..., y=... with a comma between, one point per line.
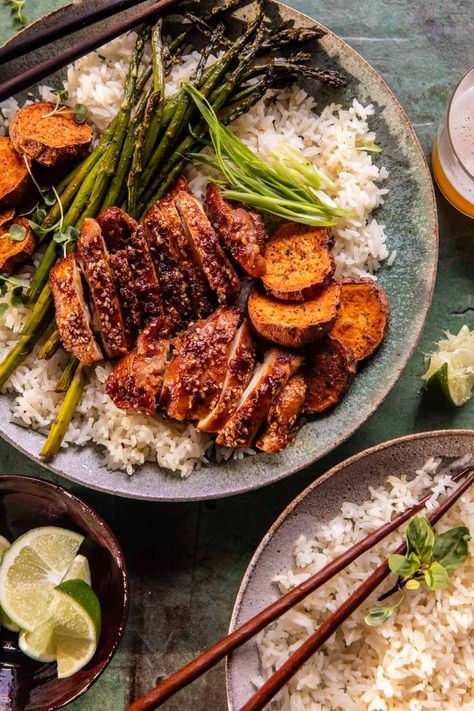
x=186, y=560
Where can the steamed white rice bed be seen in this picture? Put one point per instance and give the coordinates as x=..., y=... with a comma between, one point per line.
x=421, y=659
x=286, y=116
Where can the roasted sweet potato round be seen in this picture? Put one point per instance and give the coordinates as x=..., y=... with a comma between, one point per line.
x=330, y=370
x=14, y=252
x=294, y=324
x=14, y=178
x=6, y=216
x=50, y=140
x=363, y=316
x=298, y=261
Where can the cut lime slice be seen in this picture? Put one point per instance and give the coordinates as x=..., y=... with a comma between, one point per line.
x=4, y=619
x=4, y=544
x=31, y=568
x=70, y=632
x=451, y=369
x=79, y=570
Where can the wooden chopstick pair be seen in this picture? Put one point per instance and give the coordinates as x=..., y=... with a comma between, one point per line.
x=249, y=629
x=21, y=46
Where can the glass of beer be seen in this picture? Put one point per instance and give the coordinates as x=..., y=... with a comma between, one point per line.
x=453, y=149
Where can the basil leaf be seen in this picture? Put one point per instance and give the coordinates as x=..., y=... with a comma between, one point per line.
x=420, y=538
x=17, y=233
x=451, y=548
x=3, y=309
x=378, y=615
x=80, y=113
x=436, y=577
x=401, y=565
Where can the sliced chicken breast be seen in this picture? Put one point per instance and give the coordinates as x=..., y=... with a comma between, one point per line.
x=145, y=280
x=123, y=280
x=93, y=258
x=280, y=427
x=267, y=382
x=72, y=314
x=117, y=227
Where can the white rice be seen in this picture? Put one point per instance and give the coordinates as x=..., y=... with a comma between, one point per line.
x=287, y=116
x=422, y=658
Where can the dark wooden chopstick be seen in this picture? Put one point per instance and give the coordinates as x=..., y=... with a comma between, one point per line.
x=155, y=697
x=27, y=43
x=287, y=670
x=35, y=74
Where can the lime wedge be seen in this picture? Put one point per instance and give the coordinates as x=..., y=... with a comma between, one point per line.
x=70, y=632
x=451, y=369
x=4, y=619
x=31, y=568
x=79, y=570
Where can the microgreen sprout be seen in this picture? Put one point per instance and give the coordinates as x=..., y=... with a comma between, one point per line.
x=18, y=14
x=429, y=559
x=15, y=286
x=365, y=144
x=66, y=238
x=49, y=196
x=17, y=233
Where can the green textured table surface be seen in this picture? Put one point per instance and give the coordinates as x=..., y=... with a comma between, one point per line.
x=186, y=560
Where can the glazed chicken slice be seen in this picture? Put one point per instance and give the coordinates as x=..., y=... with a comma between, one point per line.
x=93, y=259
x=267, y=382
x=201, y=298
x=123, y=280
x=241, y=231
x=164, y=253
x=72, y=314
x=196, y=372
x=281, y=425
x=117, y=227
x=135, y=382
x=240, y=365
x=145, y=280
x=203, y=241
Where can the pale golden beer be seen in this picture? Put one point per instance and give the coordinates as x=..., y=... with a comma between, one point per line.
x=453, y=149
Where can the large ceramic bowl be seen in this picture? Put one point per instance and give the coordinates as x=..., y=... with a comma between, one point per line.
x=349, y=481
x=410, y=217
x=25, y=503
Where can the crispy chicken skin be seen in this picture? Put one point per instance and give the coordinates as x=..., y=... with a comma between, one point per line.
x=93, y=258
x=146, y=284
x=164, y=253
x=240, y=365
x=203, y=241
x=72, y=313
x=117, y=227
x=241, y=231
x=280, y=428
x=13, y=253
x=269, y=379
x=135, y=382
x=123, y=279
x=201, y=298
x=196, y=372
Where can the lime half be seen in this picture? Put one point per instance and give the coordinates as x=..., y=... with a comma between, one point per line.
x=31, y=568
x=451, y=368
x=71, y=631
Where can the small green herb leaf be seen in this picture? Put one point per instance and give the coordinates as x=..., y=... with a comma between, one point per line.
x=436, y=576
x=62, y=94
x=17, y=296
x=3, y=308
x=412, y=584
x=451, y=548
x=80, y=113
x=402, y=566
x=17, y=233
x=378, y=615
x=364, y=144
x=420, y=538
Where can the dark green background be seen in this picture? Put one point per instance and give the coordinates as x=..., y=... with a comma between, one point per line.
x=186, y=560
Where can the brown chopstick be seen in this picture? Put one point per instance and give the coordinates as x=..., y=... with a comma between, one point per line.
x=39, y=72
x=187, y=674
x=26, y=43
x=287, y=670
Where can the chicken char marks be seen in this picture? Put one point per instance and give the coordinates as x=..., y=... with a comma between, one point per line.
x=242, y=232
x=136, y=381
x=93, y=259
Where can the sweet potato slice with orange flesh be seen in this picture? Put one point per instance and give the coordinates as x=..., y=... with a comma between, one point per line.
x=50, y=140
x=298, y=262
x=6, y=216
x=281, y=426
x=14, y=177
x=14, y=252
x=363, y=316
x=330, y=370
x=294, y=324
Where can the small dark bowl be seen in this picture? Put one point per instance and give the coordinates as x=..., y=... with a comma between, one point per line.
x=25, y=503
